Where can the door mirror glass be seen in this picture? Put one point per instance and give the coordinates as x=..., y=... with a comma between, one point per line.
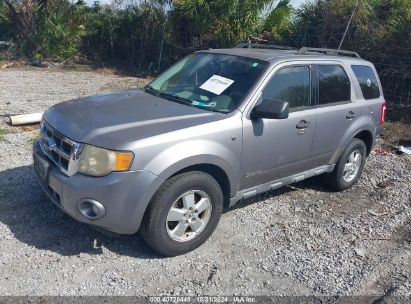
x=271, y=109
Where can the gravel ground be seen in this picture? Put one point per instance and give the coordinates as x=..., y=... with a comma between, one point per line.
x=299, y=240
x=35, y=90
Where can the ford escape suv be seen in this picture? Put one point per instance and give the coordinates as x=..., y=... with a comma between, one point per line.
x=217, y=127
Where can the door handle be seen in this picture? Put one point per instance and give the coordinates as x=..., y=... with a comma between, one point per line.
x=303, y=124
x=350, y=115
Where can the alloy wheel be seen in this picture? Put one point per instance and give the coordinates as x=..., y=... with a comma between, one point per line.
x=352, y=166
x=188, y=216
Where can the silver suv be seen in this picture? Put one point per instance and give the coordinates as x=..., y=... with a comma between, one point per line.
x=217, y=127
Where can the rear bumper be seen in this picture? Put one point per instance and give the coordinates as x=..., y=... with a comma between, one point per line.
x=378, y=131
x=124, y=195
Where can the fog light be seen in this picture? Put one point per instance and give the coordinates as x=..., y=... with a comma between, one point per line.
x=91, y=209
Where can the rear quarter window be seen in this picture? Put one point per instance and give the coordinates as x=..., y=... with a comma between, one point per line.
x=367, y=80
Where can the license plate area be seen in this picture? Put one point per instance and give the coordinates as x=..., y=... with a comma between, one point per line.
x=42, y=167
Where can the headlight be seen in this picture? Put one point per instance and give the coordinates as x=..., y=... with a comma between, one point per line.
x=99, y=162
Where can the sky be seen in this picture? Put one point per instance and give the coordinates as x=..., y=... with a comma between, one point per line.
x=295, y=3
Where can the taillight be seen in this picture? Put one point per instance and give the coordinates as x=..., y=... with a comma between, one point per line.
x=383, y=112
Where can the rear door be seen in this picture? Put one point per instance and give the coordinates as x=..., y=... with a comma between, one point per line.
x=276, y=148
x=336, y=111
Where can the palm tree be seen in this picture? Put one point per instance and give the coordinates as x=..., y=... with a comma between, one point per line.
x=224, y=22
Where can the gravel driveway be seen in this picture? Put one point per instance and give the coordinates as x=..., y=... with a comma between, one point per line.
x=299, y=240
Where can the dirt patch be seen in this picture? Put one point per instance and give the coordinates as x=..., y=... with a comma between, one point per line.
x=397, y=133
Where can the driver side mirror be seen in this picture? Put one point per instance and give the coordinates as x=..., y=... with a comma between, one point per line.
x=271, y=109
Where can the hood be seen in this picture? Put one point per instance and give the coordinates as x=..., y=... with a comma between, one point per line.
x=112, y=120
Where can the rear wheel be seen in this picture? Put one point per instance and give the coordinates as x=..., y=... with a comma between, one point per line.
x=183, y=213
x=349, y=166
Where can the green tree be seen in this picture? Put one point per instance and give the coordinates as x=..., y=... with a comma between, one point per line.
x=322, y=23
x=380, y=31
x=6, y=27
x=128, y=32
x=278, y=21
x=217, y=23
x=46, y=28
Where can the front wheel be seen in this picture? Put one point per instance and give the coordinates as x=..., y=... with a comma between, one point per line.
x=349, y=166
x=183, y=213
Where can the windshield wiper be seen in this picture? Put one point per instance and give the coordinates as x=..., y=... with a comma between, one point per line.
x=173, y=97
x=176, y=98
x=150, y=89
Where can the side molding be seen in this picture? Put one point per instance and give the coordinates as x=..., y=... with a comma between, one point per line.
x=273, y=185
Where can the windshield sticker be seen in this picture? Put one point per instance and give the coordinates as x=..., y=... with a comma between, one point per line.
x=203, y=104
x=217, y=84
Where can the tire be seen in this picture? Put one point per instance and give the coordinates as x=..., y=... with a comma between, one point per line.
x=159, y=229
x=341, y=179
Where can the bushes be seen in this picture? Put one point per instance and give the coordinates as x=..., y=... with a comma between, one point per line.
x=45, y=29
x=322, y=23
x=221, y=23
x=61, y=30
x=132, y=34
x=380, y=31
x=130, y=31
x=6, y=27
x=151, y=34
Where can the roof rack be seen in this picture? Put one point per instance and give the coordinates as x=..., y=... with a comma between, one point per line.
x=263, y=46
x=307, y=50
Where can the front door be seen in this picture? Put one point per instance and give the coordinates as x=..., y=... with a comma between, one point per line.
x=277, y=148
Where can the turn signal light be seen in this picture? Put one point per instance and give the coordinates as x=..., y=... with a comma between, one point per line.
x=123, y=161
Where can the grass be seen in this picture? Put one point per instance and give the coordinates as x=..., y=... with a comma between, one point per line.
x=31, y=140
x=3, y=133
x=33, y=130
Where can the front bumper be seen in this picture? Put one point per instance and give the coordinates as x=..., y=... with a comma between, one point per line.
x=124, y=195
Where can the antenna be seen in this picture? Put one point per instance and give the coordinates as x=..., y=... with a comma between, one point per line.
x=348, y=25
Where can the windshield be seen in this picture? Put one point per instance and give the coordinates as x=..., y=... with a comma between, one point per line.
x=213, y=82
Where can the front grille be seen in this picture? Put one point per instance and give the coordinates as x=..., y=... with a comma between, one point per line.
x=60, y=149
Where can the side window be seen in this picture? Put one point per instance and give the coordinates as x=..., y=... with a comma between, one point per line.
x=367, y=80
x=291, y=84
x=333, y=84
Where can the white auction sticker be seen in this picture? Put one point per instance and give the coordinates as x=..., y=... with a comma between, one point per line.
x=217, y=84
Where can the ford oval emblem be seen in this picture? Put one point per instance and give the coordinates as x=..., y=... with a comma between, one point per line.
x=50, y=144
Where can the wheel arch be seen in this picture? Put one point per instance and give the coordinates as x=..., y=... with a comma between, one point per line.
x=362, y=130
x=217, y=173
x=367, y=138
